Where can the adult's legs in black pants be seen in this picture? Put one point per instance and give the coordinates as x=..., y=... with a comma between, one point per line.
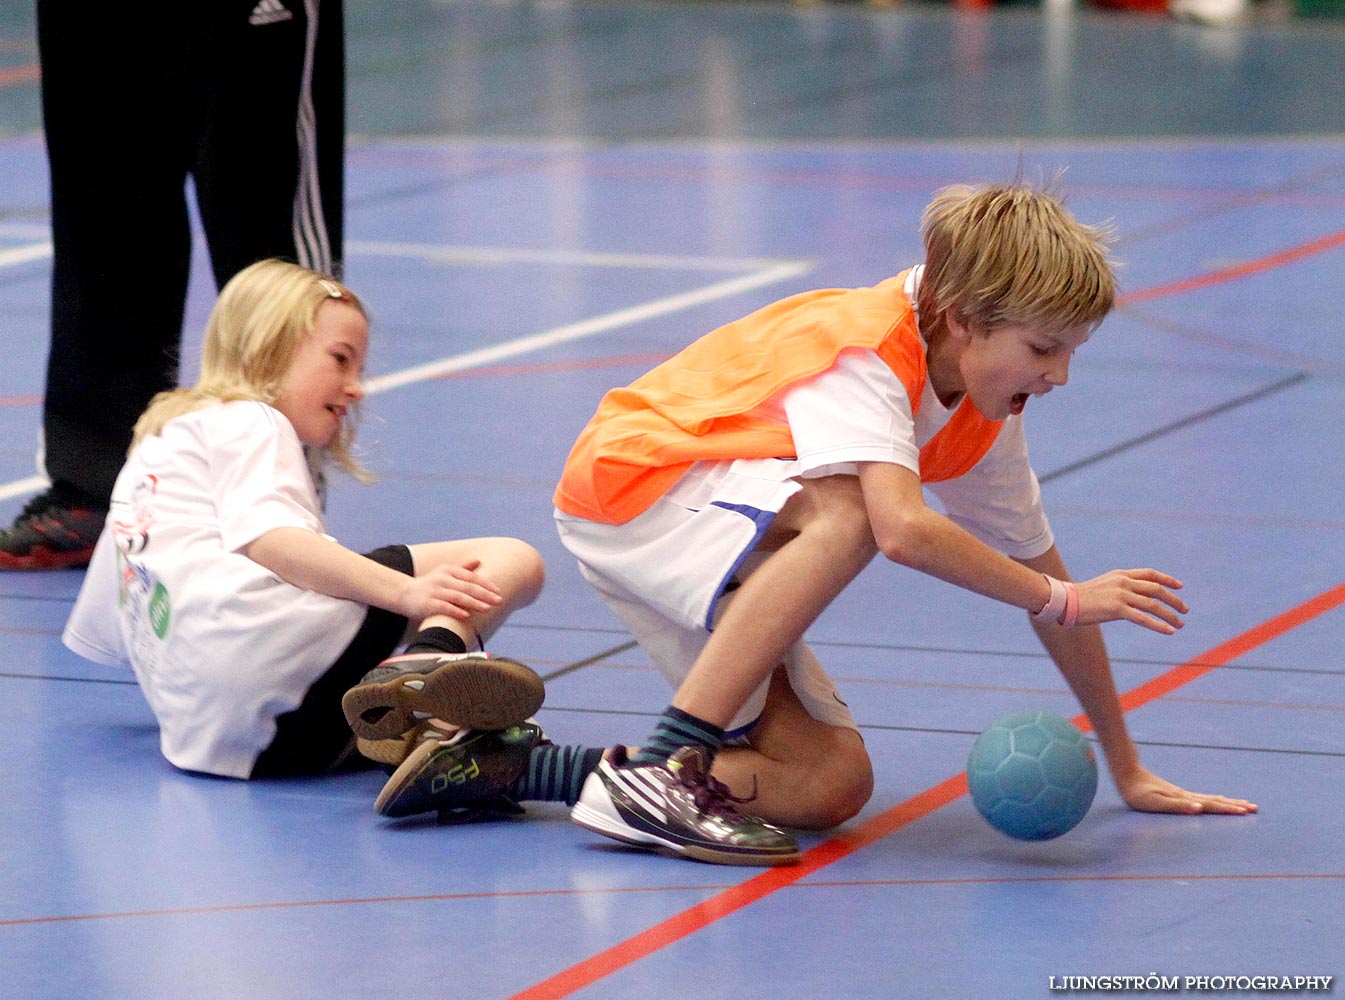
x=247, y=101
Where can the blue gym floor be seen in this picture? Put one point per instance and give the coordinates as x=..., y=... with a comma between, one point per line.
x=546, y=199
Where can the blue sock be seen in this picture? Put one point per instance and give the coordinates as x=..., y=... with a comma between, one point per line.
x=555, y=774
x=677, y=729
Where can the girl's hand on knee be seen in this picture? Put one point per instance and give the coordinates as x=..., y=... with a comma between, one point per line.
x=455, y=591
x=1142, y=596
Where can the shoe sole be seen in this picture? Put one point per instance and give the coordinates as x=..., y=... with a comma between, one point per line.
x=394, y=751
x=405, y=775
x=42, y=558
x=484, y=693
x=592, y=819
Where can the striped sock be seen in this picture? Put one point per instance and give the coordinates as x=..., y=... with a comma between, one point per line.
x=555, y=774
x=677, y=729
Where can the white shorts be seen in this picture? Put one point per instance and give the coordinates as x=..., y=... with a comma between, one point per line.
x=663, y=574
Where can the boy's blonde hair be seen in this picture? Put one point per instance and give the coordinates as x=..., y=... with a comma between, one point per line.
x=1011, y=255
x=262, y=315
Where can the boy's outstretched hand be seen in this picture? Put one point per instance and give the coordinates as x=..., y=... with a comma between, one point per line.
x=1142, y=596
x=1145, y=791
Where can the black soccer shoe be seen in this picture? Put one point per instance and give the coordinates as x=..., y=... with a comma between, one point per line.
x=463, y=777
x=56, y=530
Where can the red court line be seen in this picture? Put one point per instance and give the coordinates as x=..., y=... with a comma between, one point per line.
x=1144, y=295
x=186, y=911
x=1206, y=877
x=1257, y=266
x=11, y=76
x=1217, y=197
x=1236, y=271
x=1237, y=646
x=688, y=922
x=1292, y=706
x=492, y=371
x=180, y=911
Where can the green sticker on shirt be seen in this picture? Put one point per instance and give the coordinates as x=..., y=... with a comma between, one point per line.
x=160, y=610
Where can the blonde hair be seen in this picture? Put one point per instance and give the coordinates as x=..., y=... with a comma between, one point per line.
x=1012, y=255
x=262, y=315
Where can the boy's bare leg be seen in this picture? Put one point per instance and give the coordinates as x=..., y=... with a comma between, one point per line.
x=807, y=774
x=821, y=541
x=816, y=545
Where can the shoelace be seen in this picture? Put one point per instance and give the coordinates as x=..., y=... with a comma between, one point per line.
x=711, y=795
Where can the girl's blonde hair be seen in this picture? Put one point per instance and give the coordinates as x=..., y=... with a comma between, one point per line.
x=262, y=315
x=1012, y=255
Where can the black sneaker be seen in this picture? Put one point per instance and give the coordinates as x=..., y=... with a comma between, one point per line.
x=467, y=690
x=678, y=808
x=56, y=530
x=461, y=778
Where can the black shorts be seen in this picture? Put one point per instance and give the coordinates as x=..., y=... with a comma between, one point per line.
x=315, y=736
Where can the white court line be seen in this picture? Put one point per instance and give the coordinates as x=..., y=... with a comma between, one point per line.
x=437, y=253
x=777, y=271
x=15, y=256
x=587, y=327
x=485, y=256
x=21, y=486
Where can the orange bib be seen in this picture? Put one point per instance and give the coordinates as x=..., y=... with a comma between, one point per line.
x=706, y=402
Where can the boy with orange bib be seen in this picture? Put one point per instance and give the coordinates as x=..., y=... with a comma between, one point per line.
x=722, y=501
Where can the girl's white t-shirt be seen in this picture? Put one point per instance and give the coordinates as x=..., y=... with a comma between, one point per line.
x=219, y=644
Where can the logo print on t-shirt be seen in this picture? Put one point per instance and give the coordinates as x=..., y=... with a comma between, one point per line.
x=160, y=610
x=134, y=518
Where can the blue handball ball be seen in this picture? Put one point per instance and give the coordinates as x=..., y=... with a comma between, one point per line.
x=1032, y=775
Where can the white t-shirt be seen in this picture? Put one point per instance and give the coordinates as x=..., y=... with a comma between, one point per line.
x=858, y=411
x=219, y=644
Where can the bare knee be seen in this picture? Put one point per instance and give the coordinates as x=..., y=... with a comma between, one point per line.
x=524, y=568
x=808, y=774
x=816, y=791
x=839, y=788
